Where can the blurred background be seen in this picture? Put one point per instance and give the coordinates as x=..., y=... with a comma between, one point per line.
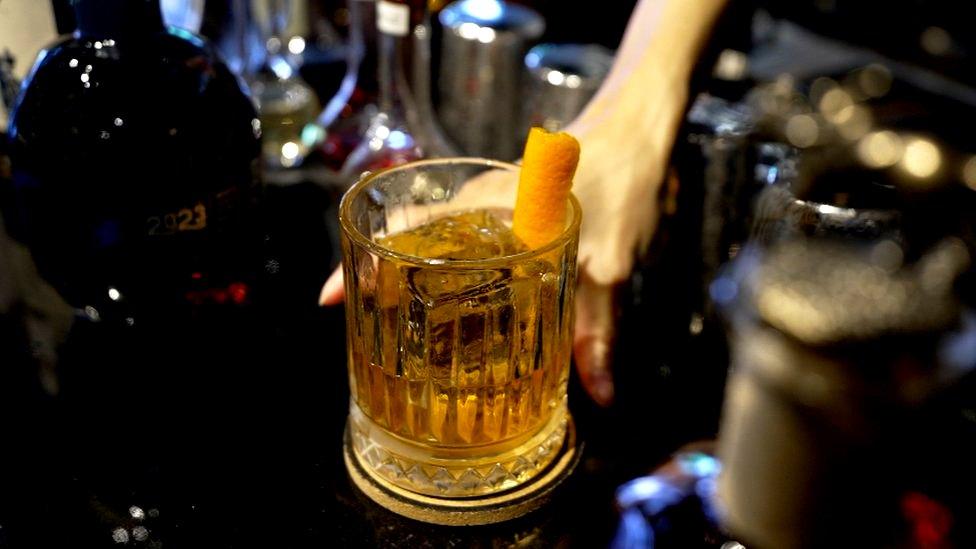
x=808, y=294
x=317, y=36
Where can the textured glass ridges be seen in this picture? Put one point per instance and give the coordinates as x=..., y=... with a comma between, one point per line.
x=482, y=477
x=459, y=356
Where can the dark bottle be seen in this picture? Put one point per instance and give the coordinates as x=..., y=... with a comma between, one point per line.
x=134, y=197
x=133, y=151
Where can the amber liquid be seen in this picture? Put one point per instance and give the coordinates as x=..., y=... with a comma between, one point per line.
x=462, y=357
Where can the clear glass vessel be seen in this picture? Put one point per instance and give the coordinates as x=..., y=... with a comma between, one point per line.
x=403, y=128
x=459, y=350
x=287, y=104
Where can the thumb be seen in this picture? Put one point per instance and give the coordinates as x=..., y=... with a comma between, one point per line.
x=593, y=338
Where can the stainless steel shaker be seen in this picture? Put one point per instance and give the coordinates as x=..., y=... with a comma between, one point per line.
x=849, y=371
x=481, y=69
x=560, y=80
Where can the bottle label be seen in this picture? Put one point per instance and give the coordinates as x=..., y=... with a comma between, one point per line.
x=393, y=19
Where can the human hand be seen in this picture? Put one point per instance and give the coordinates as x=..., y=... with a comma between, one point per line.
x=626, y=135
x=593, y=339
x=617, y=183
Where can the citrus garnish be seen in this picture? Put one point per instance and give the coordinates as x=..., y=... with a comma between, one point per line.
x=548, y=166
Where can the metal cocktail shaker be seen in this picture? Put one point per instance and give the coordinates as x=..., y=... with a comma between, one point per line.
x=561, y=79
x=845, y=415
x=481, y=68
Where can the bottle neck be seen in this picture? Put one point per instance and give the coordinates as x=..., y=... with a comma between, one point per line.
x=394, y=93
x=118, y=18
x=395, y=23
x=361, y=55
x=402, y=129
x=432, y=138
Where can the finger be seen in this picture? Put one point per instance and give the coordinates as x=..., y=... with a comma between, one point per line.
x=333, y=291
x=593, y=339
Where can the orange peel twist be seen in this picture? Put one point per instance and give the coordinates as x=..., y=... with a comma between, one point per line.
x=546, y=178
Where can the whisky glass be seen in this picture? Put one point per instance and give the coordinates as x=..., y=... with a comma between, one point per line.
x=457, y=367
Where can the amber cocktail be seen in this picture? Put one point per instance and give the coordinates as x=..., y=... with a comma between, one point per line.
x=459, y=336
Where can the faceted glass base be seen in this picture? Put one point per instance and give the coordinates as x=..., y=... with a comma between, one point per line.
x=453, y=471
x=466, y=511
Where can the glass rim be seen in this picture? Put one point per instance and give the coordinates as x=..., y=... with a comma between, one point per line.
x=360, y=239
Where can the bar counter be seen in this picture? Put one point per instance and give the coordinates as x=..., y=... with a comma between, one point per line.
x=251, y=453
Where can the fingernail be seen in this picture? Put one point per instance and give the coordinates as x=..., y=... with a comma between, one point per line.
x=603, y=393
x=332, y=290
x=596, y=365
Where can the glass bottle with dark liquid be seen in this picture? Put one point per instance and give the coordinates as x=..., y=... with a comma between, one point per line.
x=133, y=210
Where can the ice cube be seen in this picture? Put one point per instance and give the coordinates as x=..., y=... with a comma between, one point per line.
x=477, y=234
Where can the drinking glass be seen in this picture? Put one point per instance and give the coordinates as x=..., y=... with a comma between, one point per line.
x=287, y=105
x=457, y=367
